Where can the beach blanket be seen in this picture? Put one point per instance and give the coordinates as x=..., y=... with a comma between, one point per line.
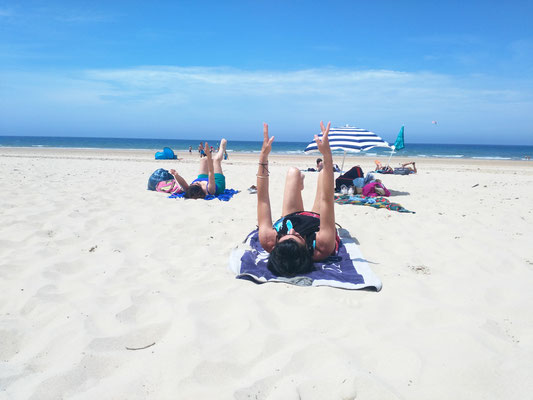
x=395, y=171
x=376, y=202
x=226, y=196
x=347, y=270
x=403, y=171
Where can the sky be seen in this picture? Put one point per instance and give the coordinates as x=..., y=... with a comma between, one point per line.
x=188, y=69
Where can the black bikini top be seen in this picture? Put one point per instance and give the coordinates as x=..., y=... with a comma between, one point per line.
x=306, y=223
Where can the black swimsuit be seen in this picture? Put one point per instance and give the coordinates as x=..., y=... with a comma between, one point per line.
x=306, y=223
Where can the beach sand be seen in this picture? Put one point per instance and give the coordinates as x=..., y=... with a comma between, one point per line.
x=92, y=263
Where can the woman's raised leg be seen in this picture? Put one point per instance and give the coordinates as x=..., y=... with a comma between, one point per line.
x=203, y=168
x=292, y=196
x=318, y=196
x=217, y=160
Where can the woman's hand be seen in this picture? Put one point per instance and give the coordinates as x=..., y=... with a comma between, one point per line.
x=323, y=142
x=267, y=142
x=174, y=173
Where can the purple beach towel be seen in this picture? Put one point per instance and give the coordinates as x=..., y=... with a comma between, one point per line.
x=347, y=270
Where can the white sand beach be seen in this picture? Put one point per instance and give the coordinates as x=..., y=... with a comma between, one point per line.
x=92, y=263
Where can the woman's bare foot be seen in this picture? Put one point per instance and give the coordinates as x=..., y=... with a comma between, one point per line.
x=221, y=150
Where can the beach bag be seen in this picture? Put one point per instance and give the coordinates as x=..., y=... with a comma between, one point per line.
x=158, y=176
x=374, y=188
x=347, y=178
x=170, y=186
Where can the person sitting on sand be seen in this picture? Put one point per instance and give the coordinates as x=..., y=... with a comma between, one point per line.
x=319, y=166
x=210, y=179
x=300, y=237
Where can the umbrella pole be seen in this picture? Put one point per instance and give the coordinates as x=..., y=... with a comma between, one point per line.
x=343, y=158
x=391, y=153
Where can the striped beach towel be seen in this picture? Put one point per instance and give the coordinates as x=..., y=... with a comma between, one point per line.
x=347, y=270
x=376, y=202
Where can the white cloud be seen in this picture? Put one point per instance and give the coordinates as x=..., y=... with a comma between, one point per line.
x=185, y=96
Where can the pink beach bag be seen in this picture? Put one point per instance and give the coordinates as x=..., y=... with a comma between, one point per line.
x=170, y=186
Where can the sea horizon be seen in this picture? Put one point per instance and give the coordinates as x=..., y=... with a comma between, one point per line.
x=429, y=150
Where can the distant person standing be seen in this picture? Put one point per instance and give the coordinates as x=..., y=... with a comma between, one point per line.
x=201, y=150
x=190, y=149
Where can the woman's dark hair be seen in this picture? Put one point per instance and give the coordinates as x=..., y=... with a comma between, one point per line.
x=194, y=192
x=289, y=258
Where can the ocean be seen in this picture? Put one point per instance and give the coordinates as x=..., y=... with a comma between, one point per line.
x=466, y=151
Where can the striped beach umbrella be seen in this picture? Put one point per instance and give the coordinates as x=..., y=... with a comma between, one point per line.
x=351, y=139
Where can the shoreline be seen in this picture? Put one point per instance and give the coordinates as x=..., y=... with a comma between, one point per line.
x=148, y=156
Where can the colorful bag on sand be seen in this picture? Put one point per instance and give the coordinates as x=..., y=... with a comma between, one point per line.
x=170, y=186
x=158, y=176
x=348, y=177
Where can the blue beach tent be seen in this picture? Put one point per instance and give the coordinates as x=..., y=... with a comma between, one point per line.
x=166, y=154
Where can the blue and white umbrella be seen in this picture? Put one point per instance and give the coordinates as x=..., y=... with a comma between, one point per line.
x=351, y=139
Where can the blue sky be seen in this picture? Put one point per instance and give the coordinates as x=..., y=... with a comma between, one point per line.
x=184, y=69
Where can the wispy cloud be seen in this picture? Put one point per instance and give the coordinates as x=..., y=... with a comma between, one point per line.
x=185, y=96
x=81, y=17
x=370, y=87
x=64, y=13
x=5, y=12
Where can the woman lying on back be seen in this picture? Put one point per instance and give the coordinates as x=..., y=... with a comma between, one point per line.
x=299, y=237
x=210, y=180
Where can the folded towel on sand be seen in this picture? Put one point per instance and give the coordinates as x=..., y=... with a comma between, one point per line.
x=376, y=202
x=347, y=270
x=226, y=196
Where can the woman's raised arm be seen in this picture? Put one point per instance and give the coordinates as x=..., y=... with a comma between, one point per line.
x=267, y=234
x=325, y=238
